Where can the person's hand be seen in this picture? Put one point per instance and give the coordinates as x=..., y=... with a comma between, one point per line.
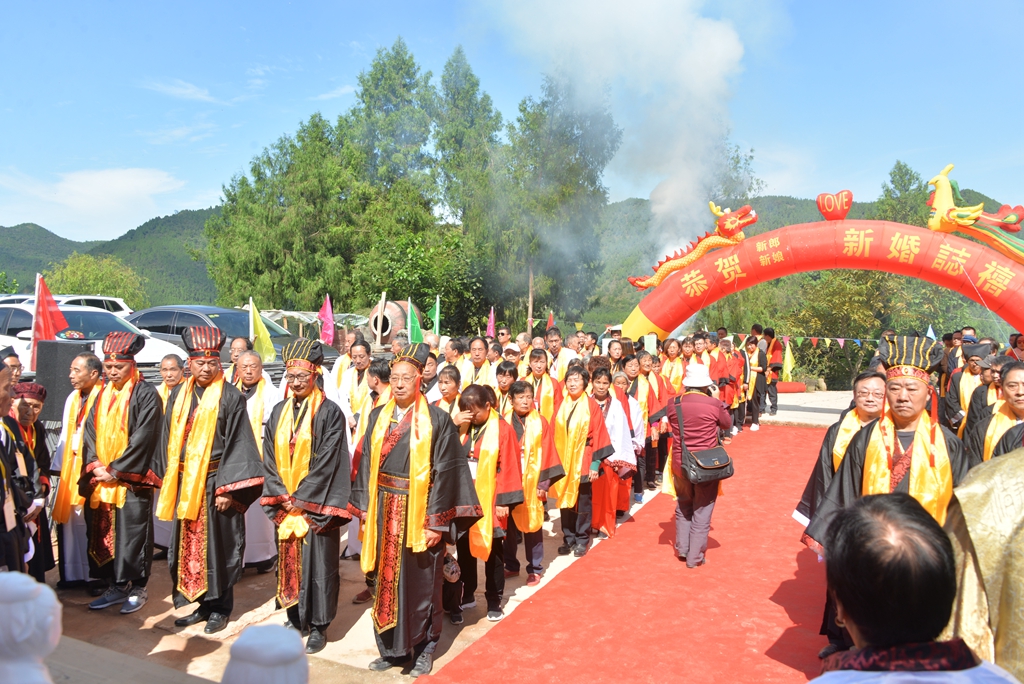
x=432, y=538
x=352, y=423
x=542, y=495
x=223, y=502
x=101, y=475
x=594, y=474
x=32, y=515
x=462, y=417
x=501, y=512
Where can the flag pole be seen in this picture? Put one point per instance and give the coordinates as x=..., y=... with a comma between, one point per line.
x=380, y=315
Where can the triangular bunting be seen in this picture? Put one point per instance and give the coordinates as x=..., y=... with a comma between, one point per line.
x=841, y=341
x=858, y=342
x=828, y=341
x=799, y=341
x=814, y=341
x=785, y=339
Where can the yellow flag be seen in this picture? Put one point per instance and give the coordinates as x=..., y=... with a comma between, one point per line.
x=260, y=336
x=788, y=363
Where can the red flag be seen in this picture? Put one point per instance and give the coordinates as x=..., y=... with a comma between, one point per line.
x=551, y=321
x=48, y=320
x=326, y=317
x=814, y=341
x=490, y=323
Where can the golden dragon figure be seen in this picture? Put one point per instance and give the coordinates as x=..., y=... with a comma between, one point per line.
x=728, y=232
x=995, y=230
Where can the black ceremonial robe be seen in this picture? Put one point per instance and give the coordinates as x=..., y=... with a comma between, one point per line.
x=452, y=507
x=14, y=501
x=977, y=409
x=1011, y=439
x=308, y=568
x=121, y=539
x=847, y=485
x=219, y=545
x=39, y=456
x=821, y=476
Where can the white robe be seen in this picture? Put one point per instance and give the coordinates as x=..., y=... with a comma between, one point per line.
x=74, y=550
x=618, y=430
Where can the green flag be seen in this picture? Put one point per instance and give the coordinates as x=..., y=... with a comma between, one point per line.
x=413, y=326
x=788, y=363
x=435, y=315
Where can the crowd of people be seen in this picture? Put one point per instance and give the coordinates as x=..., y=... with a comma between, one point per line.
x=436, y=455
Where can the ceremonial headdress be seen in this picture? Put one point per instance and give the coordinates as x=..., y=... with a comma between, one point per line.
x=30, y=390
x=416, y=354
x=203, y=341
x=910, y=357
x=979, y=350
x=122, y=345
x=305, y=354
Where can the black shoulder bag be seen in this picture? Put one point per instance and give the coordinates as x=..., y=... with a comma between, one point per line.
x=707, y=465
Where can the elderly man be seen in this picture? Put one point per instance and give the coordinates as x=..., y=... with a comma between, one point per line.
x=121, y=472
x=172, y=370
x=891, y=571
x=1002, y=430
x=68, y=513
x=415, y=492
x=352, y=386
x=503, y=336
x=903, y=451
x=987, y=394
x=30, y=442
x=962, y=384
x=478, y=371
x=306, y=493
x=212, y=474
x=560, y=356
x=238, y=345
x=399, y=342
x=868, y=401
x=260, y=399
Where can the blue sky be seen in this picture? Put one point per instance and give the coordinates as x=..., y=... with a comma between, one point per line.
x=115, y=112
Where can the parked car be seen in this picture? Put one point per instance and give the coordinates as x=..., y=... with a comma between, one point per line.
x=93, y=324
x=168, y=322
x=114, y=305
x=15, y=298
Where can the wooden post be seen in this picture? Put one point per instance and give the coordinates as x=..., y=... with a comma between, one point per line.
x=529, y=305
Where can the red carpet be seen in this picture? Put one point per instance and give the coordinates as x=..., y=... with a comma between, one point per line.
x=631, y=612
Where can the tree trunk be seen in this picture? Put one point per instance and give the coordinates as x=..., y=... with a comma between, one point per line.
x=529, y=304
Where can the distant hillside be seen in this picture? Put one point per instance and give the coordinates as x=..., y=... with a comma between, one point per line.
x=28, y=249
x=160, y=250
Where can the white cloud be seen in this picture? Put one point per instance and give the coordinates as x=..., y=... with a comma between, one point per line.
x=337, y=92
x=181, y=90
x=89, y=204
x=180, y=134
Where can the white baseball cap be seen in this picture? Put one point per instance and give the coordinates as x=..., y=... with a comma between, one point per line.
x=697, y=375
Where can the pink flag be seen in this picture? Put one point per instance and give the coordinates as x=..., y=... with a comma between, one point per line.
x=490, y=323
x=785, y=339
x=326, y=317
x=841, y=341
x=48, y=320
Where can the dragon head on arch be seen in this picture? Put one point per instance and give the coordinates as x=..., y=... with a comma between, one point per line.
x=728, y=232
x=729, y=222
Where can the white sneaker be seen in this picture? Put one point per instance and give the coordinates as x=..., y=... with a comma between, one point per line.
x=754, y=427
x=734, y=431
x=136, y=599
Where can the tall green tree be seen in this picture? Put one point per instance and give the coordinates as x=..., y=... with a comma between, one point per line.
x=904, y=197
x=103, y=275
x=7, y=285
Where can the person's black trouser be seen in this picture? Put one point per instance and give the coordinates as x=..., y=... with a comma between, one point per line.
x=576, y=521
x=534, y=545
x=663, y=451
x=651, y=458
x=494, y=572
x=223, y=605
x=640, y=476
x=771, y=397
x=739, y=414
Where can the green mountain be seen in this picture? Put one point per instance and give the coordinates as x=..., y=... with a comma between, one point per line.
x=29, y=249
x=161, y=250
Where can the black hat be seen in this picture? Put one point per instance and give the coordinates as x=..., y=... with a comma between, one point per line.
x=988, y=361
x=416, y=354
x=203, y=341
x=7, y=352
x=911, y=357
x=122, y=345
x=308, y=354
x=980, y=350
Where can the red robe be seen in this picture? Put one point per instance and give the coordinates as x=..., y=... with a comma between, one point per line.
x=774, y=356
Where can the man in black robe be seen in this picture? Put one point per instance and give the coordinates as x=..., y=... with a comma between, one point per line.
x=306, y=493
x=957, y=399
x=1008, y=434
x=985, y=395
x=868, y=401
x=13, y=503
x=119, y=475
x=30, y=438
x=213, y=470
x=885, y=455
x=416, y=453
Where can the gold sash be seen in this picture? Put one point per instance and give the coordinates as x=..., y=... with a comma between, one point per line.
x=931, y=476
x=197, y=451
x=293, y=463
x=112, y=439
x=571, y=427
x=968, y=383
x=481, y=535
x=544, y=395
x=71, y=464
x=256, y=417
x=420, y=436
x=1003, y=418
x=164, y=391
x=847, y=429
x=673, y=371
x=529, y=516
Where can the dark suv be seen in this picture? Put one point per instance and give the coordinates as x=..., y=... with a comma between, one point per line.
x=168, y=322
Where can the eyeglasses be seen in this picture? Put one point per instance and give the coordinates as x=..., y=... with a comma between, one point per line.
x=404, y=379
x=298, y=377
x=863, y=395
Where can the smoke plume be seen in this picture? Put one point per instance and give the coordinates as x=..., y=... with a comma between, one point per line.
x=667, y=68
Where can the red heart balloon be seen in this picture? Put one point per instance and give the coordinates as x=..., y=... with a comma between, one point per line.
x=835, y=207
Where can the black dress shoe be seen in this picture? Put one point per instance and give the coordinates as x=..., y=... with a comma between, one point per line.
x=263, y=567
x=316, y=641
x=215, y=623
x=291, y=625
x=580, y=551
x=564, y=550
x=382, y=663
x=424, y=664
x=192, y=618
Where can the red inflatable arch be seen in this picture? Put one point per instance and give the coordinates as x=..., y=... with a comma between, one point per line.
x=972, y=269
